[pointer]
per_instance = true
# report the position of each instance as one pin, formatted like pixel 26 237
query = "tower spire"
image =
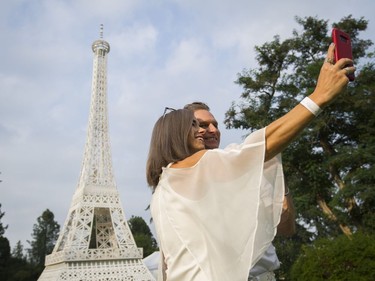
pixel 101 31
pixel 96 243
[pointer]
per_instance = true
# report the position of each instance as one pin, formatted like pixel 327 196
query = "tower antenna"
pixel 101 31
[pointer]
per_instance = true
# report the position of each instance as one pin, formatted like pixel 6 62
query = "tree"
pixel 4 257
pixel 4 249
pixel 340 259
pixel 2 227
pixel 45 234
pixel 18 269
pixel 142 235
pixel 17 251
pixel 330 167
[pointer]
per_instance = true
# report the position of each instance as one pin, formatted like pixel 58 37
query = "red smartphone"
pixel 343 47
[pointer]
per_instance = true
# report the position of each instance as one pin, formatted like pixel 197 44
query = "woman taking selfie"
pixel 216 211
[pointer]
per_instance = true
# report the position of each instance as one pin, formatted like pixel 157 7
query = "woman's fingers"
pixel 345 66
pixel 330 58
pixel 349 70
pixel 343 63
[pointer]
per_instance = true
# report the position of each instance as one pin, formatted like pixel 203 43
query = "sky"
pixel 163 53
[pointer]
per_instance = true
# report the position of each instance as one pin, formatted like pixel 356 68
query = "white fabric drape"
pixel 222 215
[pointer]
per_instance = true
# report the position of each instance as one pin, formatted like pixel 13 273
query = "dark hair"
pixel 197 105
pixel 169 142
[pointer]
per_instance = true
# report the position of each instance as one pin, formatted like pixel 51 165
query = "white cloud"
pixel 135 40
pixel 188 57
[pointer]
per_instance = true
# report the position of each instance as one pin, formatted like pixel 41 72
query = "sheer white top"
pixel 215 220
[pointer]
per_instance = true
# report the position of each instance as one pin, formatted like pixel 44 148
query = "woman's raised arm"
pixel 331 82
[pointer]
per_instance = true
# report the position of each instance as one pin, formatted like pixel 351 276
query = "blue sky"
pixel 163 53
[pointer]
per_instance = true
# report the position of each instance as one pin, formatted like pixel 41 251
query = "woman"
pixel 216 211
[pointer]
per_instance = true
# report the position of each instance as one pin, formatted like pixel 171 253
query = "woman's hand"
pixel 331 82
pixel 332 78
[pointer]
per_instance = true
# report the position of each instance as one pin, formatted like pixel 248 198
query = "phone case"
pixel 343 47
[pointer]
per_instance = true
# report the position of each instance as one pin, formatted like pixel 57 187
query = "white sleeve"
pixel 226 208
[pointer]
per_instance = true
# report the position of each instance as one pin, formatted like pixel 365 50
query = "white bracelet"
pixel 311 106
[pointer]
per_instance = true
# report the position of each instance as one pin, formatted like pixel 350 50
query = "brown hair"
pixel 169 142
pixel 197 105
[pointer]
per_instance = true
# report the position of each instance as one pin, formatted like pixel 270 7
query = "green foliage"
pixel 142 235
pixel 289 250
pixel 2 227
pixel 4 257
pixel 4 249
pixel 17 251
pixel 332 163
pixel 330 167
pixel 20 270
pixel 338 259
pixel 14 268
pixel 45 234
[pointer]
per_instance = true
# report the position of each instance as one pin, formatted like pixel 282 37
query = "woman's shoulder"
pixel 189 161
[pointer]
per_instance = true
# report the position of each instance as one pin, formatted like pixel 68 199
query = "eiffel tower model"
pixel 96 242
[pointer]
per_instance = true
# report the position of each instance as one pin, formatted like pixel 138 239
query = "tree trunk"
pixel 326 210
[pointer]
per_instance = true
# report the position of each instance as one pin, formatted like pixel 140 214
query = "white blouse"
pixel 215 220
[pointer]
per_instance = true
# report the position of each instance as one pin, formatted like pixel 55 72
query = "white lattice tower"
pixel 95 242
